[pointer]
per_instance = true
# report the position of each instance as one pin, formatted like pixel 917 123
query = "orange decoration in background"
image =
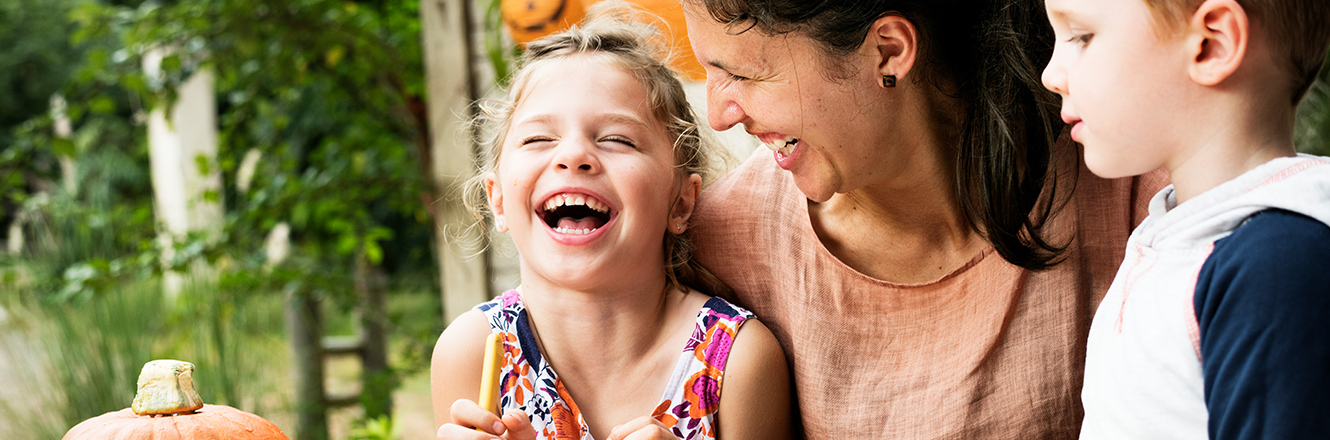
pixel 528 20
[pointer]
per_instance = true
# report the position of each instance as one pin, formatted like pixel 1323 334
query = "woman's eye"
pixel 734 77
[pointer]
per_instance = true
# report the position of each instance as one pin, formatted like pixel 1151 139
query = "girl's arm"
pixel 755 398
pixel 455 372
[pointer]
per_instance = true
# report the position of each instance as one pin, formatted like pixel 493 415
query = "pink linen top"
pixel 989 351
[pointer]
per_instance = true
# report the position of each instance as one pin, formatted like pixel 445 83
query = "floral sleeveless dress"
pixel 691 399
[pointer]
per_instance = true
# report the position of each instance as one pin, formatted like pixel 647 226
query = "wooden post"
pixel 376 381
pixel 445 30
pixel 304 325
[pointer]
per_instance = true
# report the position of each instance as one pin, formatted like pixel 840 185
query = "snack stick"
pixel 489 377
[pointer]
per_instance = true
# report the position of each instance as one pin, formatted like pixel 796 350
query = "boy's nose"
pixel 1055 78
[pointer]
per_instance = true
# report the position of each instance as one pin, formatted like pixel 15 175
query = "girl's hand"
pixel 642 428
pixel 471 422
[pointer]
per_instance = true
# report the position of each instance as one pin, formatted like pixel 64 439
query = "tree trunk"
pixel 446 38
pixel 186 178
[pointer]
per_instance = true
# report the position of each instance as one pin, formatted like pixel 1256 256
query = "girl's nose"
pixel 576 155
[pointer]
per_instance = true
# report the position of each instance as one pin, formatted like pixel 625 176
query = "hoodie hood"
pixel 1299 184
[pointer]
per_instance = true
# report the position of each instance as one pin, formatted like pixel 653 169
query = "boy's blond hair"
pixel 1301 28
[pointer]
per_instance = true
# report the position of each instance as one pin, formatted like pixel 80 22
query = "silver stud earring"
pixel 888 81
pixel 679 226
pixel 498 223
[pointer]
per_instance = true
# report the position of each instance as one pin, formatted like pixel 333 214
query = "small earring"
pixel 679 226
pixel 888 81
pixel 498 224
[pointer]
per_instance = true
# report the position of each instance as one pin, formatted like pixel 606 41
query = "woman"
pixel 913 241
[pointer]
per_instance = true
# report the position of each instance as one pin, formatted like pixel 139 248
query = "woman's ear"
pixel 494 194
pixel 683 206
pixel 896 45
pixel 1217 39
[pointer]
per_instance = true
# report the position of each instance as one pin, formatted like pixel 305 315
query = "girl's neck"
pixel 585 332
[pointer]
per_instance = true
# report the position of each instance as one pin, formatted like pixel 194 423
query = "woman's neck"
pixel 907 226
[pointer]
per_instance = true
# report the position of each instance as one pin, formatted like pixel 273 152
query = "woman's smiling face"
pixel 778 87
pixel 586 177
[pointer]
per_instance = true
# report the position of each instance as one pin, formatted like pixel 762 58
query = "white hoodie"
pixel 1143 372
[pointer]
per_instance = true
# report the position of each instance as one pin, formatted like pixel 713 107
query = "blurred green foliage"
pixel 1313 129
pixel 328 95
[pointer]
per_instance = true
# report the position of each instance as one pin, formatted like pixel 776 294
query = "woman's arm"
pixel 755 400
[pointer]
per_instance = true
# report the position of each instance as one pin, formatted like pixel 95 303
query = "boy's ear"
pixel 1217 40
pixel 897 44
pixel 494 194
pixel 683 207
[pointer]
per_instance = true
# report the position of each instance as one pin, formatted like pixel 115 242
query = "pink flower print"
pixel 702 391
pixel 715 350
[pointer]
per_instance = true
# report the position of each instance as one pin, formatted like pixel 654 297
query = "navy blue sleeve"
pixel 1263 305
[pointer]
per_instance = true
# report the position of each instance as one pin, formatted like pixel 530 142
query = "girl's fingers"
pixel 451 431
pixel 468 414
pixel 519 426
pixel 642 428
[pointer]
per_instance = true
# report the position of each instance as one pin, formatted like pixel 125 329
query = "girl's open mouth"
pixel 575 214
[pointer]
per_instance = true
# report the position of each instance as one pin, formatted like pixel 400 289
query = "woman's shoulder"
pixel 758 176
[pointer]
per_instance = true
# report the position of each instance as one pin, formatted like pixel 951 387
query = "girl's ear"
pixel 1217 40
pixel 494 193
pixel 896 44
pixel 683 206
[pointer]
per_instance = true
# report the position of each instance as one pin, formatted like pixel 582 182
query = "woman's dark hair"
pixel 991 54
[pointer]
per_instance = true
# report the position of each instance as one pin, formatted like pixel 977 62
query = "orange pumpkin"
pixel 528 20
pixel 166 407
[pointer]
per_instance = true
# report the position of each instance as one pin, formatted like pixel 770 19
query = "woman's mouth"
pixel 574 213
pixel 783 146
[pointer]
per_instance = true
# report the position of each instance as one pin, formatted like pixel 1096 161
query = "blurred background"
pixel 266 189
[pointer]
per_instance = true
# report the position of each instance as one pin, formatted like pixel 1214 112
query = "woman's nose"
pixel 722 111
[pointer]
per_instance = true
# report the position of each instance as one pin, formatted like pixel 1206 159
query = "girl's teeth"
pixel 563 230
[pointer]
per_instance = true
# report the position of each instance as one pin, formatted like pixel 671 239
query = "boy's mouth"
pixel 574 213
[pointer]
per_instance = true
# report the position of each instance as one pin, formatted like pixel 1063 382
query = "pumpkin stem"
pixel 166 387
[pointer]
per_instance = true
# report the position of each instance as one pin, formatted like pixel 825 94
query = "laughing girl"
pixel 594 173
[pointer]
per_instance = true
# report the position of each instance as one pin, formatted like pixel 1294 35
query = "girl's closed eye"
pixel 620 139
pixel 536 139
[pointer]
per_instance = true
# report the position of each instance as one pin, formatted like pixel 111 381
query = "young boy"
pixel 1216 322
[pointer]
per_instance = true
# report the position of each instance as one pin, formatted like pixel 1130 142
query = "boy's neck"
pixel 1230 134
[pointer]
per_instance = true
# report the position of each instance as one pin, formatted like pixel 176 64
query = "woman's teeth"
pixel 783 146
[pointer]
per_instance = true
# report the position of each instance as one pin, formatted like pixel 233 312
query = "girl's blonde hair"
pixel 617 33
